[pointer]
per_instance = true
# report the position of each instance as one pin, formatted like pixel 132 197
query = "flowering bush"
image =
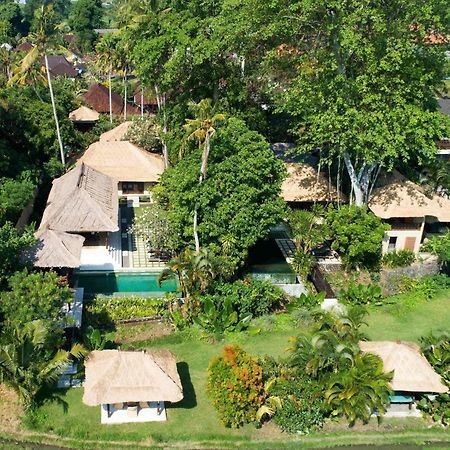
pixel 235 386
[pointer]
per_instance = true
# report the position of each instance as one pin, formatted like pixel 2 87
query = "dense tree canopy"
pixel 85 16
pixel 238 201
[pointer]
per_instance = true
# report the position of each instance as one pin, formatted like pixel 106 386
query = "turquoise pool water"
pixel 142 283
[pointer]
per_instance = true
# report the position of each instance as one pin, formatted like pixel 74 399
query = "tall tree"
pixel 43 40
pixel 85 16
pixel 364 86
pixel 202 128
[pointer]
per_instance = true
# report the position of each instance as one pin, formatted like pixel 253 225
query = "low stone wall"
pixel 415 270
pixel 294 290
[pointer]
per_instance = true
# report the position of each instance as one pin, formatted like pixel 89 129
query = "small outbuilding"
pixel 83 115
pixel 132 386
pixel 413 374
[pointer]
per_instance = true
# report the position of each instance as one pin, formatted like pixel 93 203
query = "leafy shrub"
pixel 235 386
pixel 95 339
pixel 303 407
pixel 308 301
pixel 439 246
pixel 357 235
pixel 402 258
pixel 144 132
pixel 302 263
pixel 437 351
pixel 359 294
pixel 218 318
pixel 424 287
pixel 249 296
pixel 124 308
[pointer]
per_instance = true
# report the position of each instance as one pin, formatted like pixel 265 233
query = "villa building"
pixel 413 375
pixel 410 213
pixel 117 133
pixel 136 170
pixel 97 98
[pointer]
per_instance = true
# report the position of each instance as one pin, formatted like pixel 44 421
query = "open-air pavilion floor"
pixel 123 249
pixel 145 412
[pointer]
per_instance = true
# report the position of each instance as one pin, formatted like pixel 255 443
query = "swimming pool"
pixel 137 283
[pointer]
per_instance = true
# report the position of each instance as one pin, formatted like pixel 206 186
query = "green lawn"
pixel 194 423
pixel 409 323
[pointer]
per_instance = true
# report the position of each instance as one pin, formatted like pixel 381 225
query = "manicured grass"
pixel 409 319
pixel 194 423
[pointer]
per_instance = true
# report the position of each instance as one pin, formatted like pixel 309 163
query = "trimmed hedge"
pixel 126 308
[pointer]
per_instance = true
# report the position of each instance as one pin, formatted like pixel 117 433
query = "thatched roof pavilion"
pixel 412 371
pixel 124 161
pixel 115 376
pixel 396 196
pixel 83 114
pixel 55 249
pixel 116 134
pixel 82 200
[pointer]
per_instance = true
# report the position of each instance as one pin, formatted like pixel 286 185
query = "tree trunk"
pixel 197 242
pixel 359 196
pixel 161 100
pixel 125 96
pixel 110 95
pixel 52 97
pixel 142 102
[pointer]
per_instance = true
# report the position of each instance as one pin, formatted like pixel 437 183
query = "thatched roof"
pixel 115 376
pixel 55 249
pixel 82 200
pixel 116 134
pixel 124 161
pixel 396 196
pixel 84 114
pixel 412 371
pixel 97 97
pixel 304 184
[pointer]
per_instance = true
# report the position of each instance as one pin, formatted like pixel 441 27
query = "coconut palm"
pixel 202 128
pixel 106 50
pixel 360 390
pixel 43 41
pixel 28 365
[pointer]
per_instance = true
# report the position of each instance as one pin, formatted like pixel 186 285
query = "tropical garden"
pixel 354 84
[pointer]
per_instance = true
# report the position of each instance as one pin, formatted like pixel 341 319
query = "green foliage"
pixel 360 294
pixel 249 296
pixel 235 386
pixel 238 201
pixel 437 351
pixel 216 319
pixel 439 246
pixel 423 287
pixel 34 296
pixel 13 243
pixel 152 223
pixel 303 407
pixel 95 339
pixel 31 364
pixel 309 301
pixel 357 235
pixel 124 308
pixel 358 390
pixel 402 258
pixel 306 228
pixel 14 196
pixel 144 132
pixel 302 263
pixel 85 16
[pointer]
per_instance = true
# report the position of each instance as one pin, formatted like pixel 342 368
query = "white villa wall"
pixel 401 235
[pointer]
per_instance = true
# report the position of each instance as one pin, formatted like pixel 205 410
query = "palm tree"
pixel 194 270
pixel 43 42
pixel 28 365
pixel 106 61
pixel 355 393
pixel 202 128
